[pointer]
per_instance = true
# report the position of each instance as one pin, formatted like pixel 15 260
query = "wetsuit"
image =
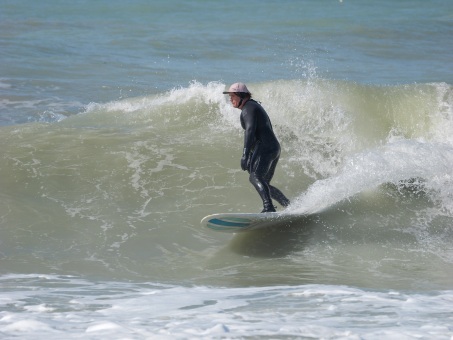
pixel 261 153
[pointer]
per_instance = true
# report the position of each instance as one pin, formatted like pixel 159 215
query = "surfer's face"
pixel 234 99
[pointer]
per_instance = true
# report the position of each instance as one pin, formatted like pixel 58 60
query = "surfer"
pixel 261 147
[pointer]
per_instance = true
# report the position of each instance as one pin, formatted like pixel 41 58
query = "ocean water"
pixel 116 140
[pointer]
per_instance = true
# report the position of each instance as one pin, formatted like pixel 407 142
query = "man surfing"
pixel 261 147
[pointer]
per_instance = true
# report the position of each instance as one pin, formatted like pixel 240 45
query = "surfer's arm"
pixel 250 122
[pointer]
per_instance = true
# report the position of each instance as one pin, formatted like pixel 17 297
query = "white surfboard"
pixel 240 222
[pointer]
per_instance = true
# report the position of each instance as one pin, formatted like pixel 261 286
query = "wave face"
pixel 117 191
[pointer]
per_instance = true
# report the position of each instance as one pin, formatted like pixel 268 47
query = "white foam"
pixel 209 93
pixel 39 308
pixel 26 326
pixel 103 327
pixel 128 310
pixel 396 161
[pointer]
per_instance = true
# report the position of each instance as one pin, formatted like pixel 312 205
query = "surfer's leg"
pixel 263 190
pixel 260 184
pixel 275 193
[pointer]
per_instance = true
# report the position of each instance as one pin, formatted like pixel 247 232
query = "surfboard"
pixel 240 222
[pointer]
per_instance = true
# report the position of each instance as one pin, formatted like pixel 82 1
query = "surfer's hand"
pixel 244 161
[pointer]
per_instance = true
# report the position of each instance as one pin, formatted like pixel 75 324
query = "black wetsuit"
pixel 261 153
